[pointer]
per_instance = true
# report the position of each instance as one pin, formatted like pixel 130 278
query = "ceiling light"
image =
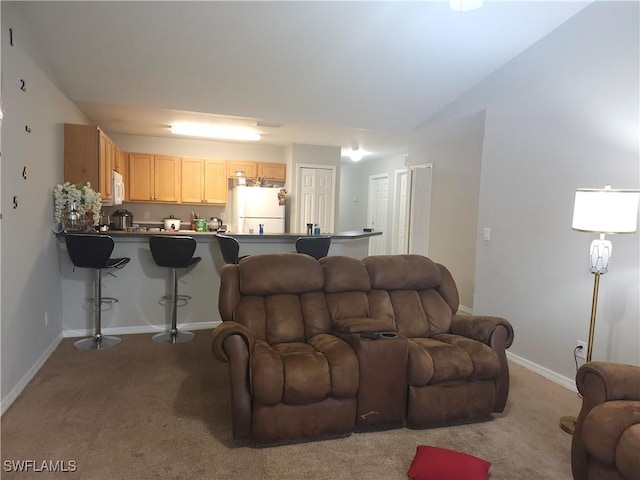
pixel 464 5
pixel 355 153
pixel 222 132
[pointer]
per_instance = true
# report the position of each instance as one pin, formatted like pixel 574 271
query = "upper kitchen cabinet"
pixel 250 169
pixel 268 171
pixel 89 156
pixel 272 171
pixel 154 178
pixel 204 181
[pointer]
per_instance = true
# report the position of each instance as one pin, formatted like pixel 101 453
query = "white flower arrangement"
pixel 85 198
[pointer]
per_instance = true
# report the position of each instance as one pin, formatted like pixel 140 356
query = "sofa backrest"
pixel 278 297
pixel 421 294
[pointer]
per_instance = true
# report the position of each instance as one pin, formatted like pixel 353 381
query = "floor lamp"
pixel 604 211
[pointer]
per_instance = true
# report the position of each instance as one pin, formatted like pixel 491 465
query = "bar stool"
pixel 94 251
pixel 173 251
pixel 317 247
pixel 230 248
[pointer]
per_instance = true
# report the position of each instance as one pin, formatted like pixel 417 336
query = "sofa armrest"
pixel 233 343
pixel 600 382
pixel 225 330
pixel 481 328
pixel 495 332
pixel 604 381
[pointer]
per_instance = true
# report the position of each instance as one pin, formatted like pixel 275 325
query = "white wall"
pixel 30 270
pixel 354 191
pixel 454 148
pixel 562 115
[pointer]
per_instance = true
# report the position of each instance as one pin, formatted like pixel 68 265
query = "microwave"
pixel 118 189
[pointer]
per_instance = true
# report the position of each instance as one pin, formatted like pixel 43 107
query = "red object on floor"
pixel 433 463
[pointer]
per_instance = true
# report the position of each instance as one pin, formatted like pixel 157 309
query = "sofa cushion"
pixel 410 317
pixel 292 372
pixel 301 373
pixel 271 274
pixel 486 365
pixel 344 274
pixel 433 463
pixel 450 363
pixel 402 272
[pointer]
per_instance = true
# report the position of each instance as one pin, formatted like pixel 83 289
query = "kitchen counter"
pixel 141 284
pixel 348 235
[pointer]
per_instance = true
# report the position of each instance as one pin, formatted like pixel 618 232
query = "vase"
pixel 72 219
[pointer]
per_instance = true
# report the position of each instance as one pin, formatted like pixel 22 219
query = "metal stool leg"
pixel 98 341
pixel 173 335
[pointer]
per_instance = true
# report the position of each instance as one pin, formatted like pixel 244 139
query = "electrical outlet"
pixel 222 215
pixel 146 215
pixel 46 319
pixel 581 350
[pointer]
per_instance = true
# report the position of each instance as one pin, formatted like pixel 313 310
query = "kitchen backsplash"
pixel 157 212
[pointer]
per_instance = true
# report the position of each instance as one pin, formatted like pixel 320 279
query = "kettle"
pixel 214 224
pixel 121 220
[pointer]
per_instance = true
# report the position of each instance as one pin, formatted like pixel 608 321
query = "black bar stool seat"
pixel 230 248
pixel 94 251
pixel 174 252
pixel 317 246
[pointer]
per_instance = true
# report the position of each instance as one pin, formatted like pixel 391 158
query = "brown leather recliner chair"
pixel 606 441
pixel 290 378
pixel 457 368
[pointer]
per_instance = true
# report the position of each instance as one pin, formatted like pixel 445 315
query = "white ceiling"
pixel 330 73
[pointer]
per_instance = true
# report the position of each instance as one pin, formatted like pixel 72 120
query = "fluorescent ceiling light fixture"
pixel 464 5
pixel 355 153
pixel 222 132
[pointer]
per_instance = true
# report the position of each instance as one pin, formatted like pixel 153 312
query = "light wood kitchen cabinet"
pixel 89 156
pixel 250 169
pixel 119 161
pixel 204 181
pixel 272 171
pixel 154 178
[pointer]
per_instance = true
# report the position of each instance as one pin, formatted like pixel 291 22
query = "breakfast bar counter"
pixel 141 284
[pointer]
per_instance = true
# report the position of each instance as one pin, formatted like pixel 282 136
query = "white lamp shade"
pixel 606 211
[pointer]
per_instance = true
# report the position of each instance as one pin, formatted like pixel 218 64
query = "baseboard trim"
pixel 465 309
pixel 566 382
pixel 140 329
pixel 24 381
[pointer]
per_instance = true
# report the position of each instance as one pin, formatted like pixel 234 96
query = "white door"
pixel 400 228
pixel 316 193
pixel 378 211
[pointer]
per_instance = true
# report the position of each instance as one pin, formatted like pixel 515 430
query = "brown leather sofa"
pixel 301 366
pixel 606 441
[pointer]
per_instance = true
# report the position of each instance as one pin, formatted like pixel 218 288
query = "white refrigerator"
pixel 253 206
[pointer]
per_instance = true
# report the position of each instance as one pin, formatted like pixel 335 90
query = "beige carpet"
pixel 147 411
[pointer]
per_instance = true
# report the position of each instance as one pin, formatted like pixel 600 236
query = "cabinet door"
pixel 215 182
pixel 107 161
pixel 192 180
pixel 82 154
pixel 250 169
pixel 118 160
pixel 272 171
pixel 140 177
pixel 167 179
